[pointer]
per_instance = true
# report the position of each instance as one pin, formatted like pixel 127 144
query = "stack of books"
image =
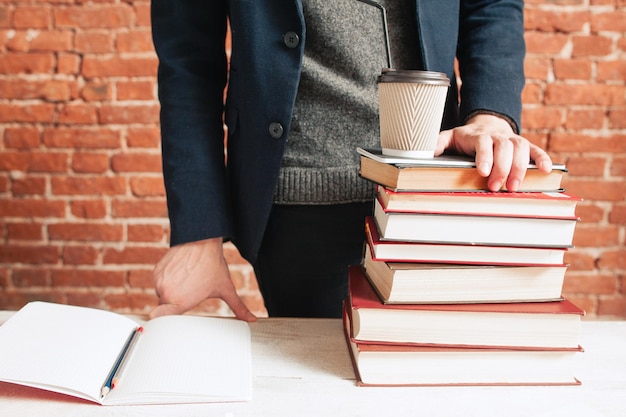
pixel 459 285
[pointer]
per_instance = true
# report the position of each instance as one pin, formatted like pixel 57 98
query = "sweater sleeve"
pixel 189 38
pixel 491 52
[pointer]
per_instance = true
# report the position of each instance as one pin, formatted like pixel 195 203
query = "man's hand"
pixel 500 154
pixel 190 273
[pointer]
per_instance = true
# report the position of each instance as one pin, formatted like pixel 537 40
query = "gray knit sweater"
pixel 337 104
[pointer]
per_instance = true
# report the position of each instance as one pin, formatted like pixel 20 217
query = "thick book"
pixel 554 324
pixel 110 359
pixel 530 204
pixel 475 229
pixel 433 252
pixel 444 173
pixel 423 283
pixel 408 365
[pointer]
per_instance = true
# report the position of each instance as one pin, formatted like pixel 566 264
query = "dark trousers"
pixel 302 267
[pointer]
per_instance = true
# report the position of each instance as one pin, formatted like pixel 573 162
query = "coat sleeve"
pixel 491 52
pixel 189 39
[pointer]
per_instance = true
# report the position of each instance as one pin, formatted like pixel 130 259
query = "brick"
pixel 6 16
pixel 79 255
pixel 49 90
pixel 554 20
pixel 147 187
pixel 597 190
pixel 32 254
pixel 134 41
pixel 97 91
pixel 27 63
pixel 21 137
pixel 566 142
pixel 89 209
pixel 579 260
pixel 13 300
pixel 537 67
pixel 542 117
pixel 146 233
pixel 611 71
pixel 142 15
pixel 87 185
pixel 90 162
pixel 138 302
pixel 614 307
pixel 32 17
pixel 127 114
pixel 85 232
pixel 102 17
pixel 52 162
pixel 143 137
pixel 28 186
pixel 85 298
pixel 31 278
pixel 94 42
pixel 96 66
pixel 87 138
pixel 545 43
pixel 68 63
pixel 596 236
pixel 617 118
pixel 140 278
pixel 133 255
pixel 87 278
pixel 78 113
pixel 585 118
pixel 136 90
pixel 32 208
pixel 4 187
pixel 590 94
pixel 586 166
pixel 27 113
pixel 34 162
pixel 618 166
pixel 612 259
pixel 532 94
pixel 590 283
pixel 613 21
pixel 52 41
pixel 617 215
pixel 138 208
pixel 25 231
pixel 136 162
pixel 591 46
pixel 589 212
pixel 573 69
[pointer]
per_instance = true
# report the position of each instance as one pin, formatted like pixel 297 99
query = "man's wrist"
pixel 504 117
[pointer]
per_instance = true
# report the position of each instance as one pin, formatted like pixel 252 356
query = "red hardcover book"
pixel 414 283
pixel 432 252
pixel 546 325
pixel 528 204
pixel 474 229
pixel 406 365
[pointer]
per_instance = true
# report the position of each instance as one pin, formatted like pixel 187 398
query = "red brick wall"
pixel 82 206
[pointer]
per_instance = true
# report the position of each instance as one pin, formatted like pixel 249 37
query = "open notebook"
pixel 110 359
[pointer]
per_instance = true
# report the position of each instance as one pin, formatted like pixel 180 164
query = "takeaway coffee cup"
pixel 411 105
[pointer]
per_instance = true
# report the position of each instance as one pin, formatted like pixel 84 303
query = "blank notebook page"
pixel 200 359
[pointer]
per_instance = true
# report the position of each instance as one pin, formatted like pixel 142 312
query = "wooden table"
pixel 301 368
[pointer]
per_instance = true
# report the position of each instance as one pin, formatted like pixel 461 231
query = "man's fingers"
pixel 166 310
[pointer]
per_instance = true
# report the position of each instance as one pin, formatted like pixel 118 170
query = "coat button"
pixel 291 39
pixel 276 130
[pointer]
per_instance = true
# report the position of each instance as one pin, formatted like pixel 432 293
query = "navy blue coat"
pixel 210 194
